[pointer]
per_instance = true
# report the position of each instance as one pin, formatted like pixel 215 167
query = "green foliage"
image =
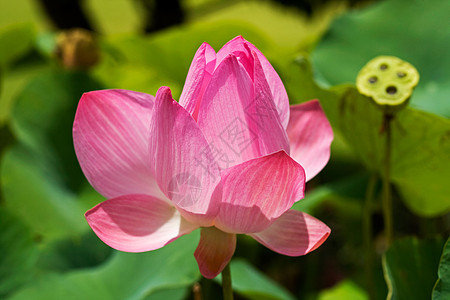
pixel 421 148
pixel 340 193
pixel 15 41
pixel 172 294
pixel 421 144
pixel 441 289
pixel 14 80
pixel 414 31
pixel 146 63
pixel 37 197
pixel 288 28
pixel 253 284
pixel 18 253
pixel 343 291
pixel 124 276
pixel 43 116
pixel 45 160
pixel 6 139
pixel 410 268
pixel 71 253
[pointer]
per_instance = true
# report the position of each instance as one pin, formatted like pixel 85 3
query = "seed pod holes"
pixel 388 80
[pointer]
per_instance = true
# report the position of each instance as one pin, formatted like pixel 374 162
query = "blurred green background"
pixel 47 250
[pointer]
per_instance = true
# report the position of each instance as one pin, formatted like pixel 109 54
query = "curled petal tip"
pixel 204 45
pixel 326 234
pixel 86 96
pixel 164 90
pixel 238 38
pixel 295 233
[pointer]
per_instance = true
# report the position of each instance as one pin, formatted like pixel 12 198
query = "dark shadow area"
pixel 66 14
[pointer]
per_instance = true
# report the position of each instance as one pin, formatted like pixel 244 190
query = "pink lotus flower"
pixel 217 160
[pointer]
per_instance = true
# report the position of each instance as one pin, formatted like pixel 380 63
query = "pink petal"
pixel 279 93
pixel 239 124
pixel 295 233
pixel 185 168
pixel 257 192
pixel 310 137
pixel 110 134
pixel 198 77
pixel 265 113
pixel 137 223
pixel 214 251
pixel 239 48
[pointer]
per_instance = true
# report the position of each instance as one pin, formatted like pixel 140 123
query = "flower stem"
pixel 367 232
pixel 386 193
pixel 197 291
pixel 226 283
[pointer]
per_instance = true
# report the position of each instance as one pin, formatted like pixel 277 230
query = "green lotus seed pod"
pixel 388 80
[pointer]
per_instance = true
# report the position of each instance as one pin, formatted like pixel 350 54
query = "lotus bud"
pixel 77 49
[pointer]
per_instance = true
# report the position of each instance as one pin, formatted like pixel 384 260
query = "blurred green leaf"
pixel 42 119
pixel 33 192
pixel 46 43
pixel 125 276
pixel 410 267
pixel 290 29
pixel 300 84
pixel 344 290
pixel 13 12
pixel 146 63
pixel 70 253
pixel 301 87
pixel 15 41
pixel 420 147
pixel 420 150
pixel 253 284
pixel 168 294
pixel 441 290
pixel 421 158
pixel 340 205
pixel 14 80
pixel 6 139
pixel 415 31
pixel 351 187
pixel 129 13
pixel 18 253
pixel 44 161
